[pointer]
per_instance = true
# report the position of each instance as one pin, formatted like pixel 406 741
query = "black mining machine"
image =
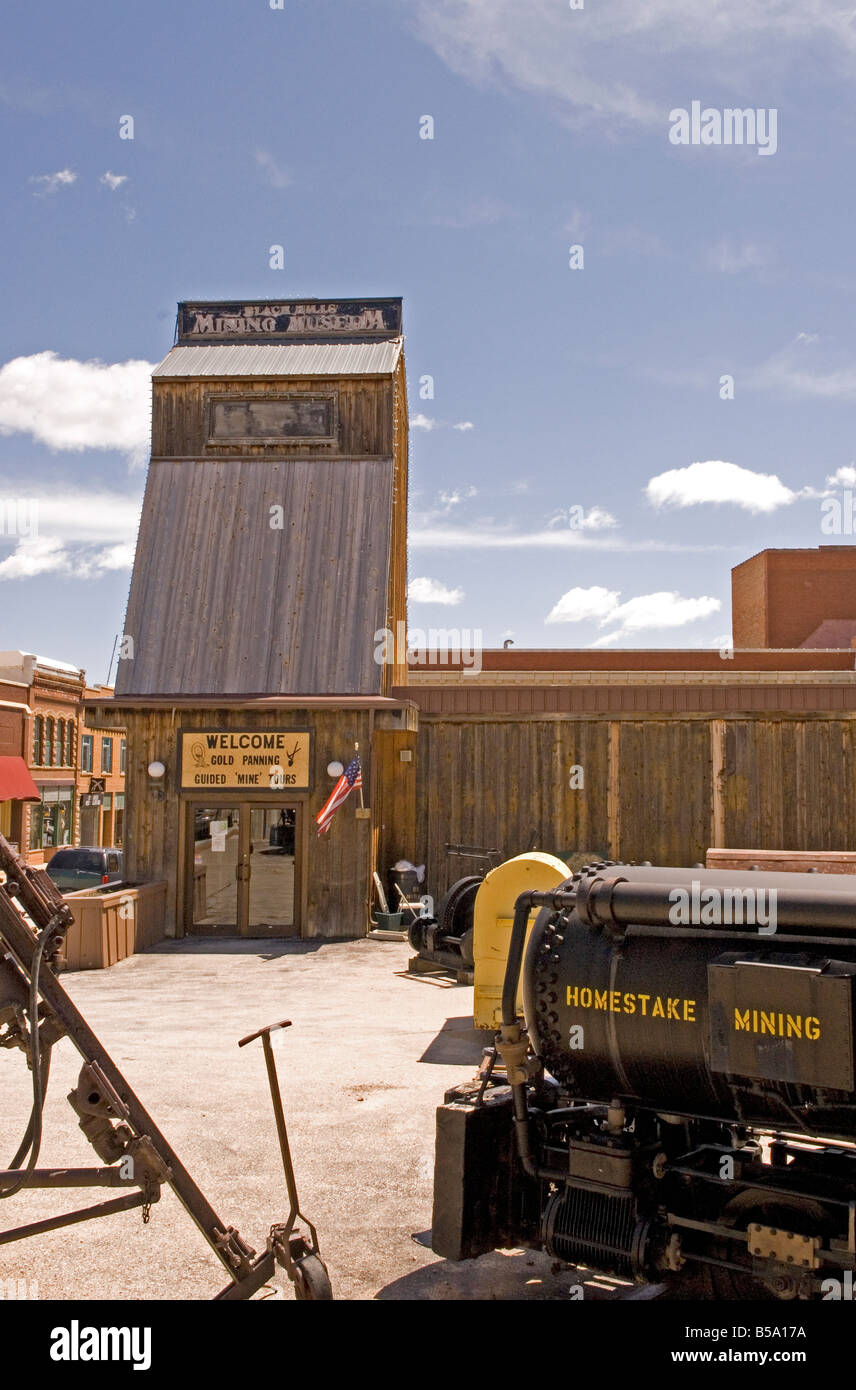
pixel 678 1105
pixel 35 1013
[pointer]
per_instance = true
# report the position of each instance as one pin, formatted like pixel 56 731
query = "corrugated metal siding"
pixel 222 604
pixel 282 359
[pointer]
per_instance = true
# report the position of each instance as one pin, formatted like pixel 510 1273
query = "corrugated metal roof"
pixel 221 603
pixel 282 359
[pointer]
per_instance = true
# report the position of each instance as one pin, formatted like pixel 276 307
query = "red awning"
pixel 16 784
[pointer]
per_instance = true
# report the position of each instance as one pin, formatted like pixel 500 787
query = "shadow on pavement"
pixel 502 1276
pixel 239 946
pixel 458 1043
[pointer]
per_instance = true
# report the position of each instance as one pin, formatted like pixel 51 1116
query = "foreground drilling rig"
pixel 679 1103
pixel 136 1159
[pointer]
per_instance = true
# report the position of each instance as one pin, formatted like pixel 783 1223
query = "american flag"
pixel 350 778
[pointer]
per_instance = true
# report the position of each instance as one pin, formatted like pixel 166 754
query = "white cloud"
pixel 74 405
pixel 432 591
pixel 428 423
pixel 115 557
pixel 843 477
pixel 581 605
pixel 87 516
pixel 41 555
pixel 113 181
pixel 620 60
pixel 428 534
pixel 83 534
pixel 663 609
pixel 731 259
pixel 448 500
pixel 595 519
pixel 50 183
pixel 646 611
pixel 49 555
pixel 718 481
pixel 787 376
pixel 276 176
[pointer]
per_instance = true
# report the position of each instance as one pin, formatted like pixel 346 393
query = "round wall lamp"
pixel 156 771
pixel 335 769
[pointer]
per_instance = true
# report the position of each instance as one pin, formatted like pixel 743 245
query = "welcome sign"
pixel 272 760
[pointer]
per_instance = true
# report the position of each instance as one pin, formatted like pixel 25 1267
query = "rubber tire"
pixel 312 1282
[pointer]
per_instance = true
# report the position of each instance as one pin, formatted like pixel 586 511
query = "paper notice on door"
pixel 217 830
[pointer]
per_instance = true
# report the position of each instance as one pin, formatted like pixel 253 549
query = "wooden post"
pixel 717 783
pixel 613 790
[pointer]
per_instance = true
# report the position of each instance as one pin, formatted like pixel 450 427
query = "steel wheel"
pixel 786 1212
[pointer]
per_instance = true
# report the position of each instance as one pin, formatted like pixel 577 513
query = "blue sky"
pixel 597 482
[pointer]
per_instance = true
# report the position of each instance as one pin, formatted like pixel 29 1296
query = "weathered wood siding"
pixel 660 789
pixel 790 784
pixel 664 779
pixel 336 866
pixel 365 411
pixel 507 785
pixel 395 797
pixel 221 602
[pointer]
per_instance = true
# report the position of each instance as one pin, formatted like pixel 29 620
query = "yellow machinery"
pixel 492 918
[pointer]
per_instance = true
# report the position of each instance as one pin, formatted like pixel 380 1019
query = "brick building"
pixel 42 720
pixel 101 779
pixel 16 785
pixel 795 598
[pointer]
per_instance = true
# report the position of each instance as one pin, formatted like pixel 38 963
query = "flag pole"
pixel 362 802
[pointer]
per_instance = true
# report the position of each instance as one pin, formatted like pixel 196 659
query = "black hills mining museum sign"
pixel 260 759
pixel 294 320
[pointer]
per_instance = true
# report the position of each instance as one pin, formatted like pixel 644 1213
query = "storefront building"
pixel 43 723
pixel 271 553
pixel 101 779
pixel 55 698
pixel 16 785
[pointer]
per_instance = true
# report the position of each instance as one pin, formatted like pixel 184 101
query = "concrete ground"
pixel 362 1071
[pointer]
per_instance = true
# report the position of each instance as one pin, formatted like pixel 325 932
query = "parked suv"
pixel 85 867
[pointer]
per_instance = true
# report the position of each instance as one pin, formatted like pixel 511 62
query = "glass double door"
pixel 245 870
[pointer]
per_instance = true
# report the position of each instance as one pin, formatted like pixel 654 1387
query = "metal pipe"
pixel 69 1177
pixel 514 960
pixel 72 1218
pixel 512 1043
pixel 603 901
